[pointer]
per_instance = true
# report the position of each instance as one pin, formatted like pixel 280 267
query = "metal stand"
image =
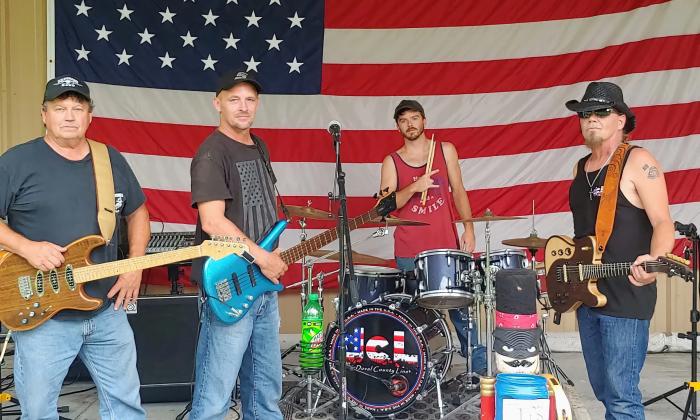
pixel 548 364
pixel 693 386
pixel 489 299
pixel 346 268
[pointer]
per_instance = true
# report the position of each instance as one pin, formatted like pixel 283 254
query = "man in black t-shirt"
pixel 47 195
pixel 234 194
pixel 614 337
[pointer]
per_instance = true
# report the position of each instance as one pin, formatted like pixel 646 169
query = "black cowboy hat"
pixel 601 95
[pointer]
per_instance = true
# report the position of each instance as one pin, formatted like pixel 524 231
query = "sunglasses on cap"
pixel 598 113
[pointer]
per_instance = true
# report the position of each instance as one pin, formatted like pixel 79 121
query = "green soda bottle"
pixel 311 355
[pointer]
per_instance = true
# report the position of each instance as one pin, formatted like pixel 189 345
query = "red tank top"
pixel 441 232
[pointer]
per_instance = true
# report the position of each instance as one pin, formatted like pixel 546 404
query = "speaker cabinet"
pixel 165 330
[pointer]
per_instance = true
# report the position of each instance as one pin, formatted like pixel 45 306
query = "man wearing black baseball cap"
pixel 233 191
pixel 404 171
pixel 614 337
pixel 49 198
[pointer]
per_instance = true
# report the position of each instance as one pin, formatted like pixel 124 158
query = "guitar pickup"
pixel 236 283
pixel 251 275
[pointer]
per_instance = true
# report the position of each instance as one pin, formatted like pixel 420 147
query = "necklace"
pixel 590 184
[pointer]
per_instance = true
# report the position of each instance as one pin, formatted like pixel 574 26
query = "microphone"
pixel 685 229
pixel 334 128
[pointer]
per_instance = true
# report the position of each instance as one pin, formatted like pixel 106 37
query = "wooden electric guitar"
pixel 232 284
pixel 30 297
pixel 573 267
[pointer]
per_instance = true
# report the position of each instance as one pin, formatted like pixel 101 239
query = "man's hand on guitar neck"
pixel 639 277
pixel 126 289
pixel 43 256
pixel 270 264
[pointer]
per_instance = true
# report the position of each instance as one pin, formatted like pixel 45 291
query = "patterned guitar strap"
pixel 608 199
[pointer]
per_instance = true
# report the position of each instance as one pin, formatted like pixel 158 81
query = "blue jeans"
pixel 460 319
pixel 104 342
pixel 614 350
pixel 248 349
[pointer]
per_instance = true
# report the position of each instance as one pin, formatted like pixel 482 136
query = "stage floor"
pixel 661 373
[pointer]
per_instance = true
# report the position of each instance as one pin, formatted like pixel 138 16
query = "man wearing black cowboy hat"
pixel 614 337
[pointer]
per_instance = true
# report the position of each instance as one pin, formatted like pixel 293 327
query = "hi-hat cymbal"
pixel 488 218
pixel 395 221
pixel 310 213
pixel 357 258
pixel 531 242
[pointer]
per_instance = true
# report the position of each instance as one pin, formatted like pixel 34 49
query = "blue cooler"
pixel 521 396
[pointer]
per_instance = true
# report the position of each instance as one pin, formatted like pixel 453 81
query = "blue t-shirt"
pixel 46 197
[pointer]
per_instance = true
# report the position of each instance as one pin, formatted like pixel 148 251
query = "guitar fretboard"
pixel 308 246
pixel 609 269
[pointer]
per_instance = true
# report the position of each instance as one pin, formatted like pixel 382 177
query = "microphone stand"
pixel 346 269
pixel 693 386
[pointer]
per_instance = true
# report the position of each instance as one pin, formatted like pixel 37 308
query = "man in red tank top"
pixel 404 172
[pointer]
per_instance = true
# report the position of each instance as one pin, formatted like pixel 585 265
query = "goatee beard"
pixel 591 140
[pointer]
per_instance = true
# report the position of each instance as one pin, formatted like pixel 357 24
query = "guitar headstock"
pixel 222 246
pixel 387 203
pixel 677 266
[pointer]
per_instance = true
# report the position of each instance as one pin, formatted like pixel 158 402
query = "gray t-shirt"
pixel 225 169
pixel 46 197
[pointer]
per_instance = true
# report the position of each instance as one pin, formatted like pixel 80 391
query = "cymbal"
pixel 310 213
pixel 395 221
pixel 489 218
pixel 357 258
pixel 531 242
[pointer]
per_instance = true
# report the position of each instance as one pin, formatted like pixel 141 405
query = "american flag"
pixel 492 76
pixel 355 344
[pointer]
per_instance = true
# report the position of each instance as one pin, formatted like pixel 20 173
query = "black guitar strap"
pixel 266 161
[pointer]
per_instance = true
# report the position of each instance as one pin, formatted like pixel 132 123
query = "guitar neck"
pixel 591 271
pixel 308 246
pixel 115 268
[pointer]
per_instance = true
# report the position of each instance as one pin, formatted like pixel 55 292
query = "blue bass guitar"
pixel 231 284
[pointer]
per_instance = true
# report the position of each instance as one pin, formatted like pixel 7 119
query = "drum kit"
pixel 398 345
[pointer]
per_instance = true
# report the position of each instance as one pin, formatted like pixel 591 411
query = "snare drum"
pixel 371 283
pixel 503 259
pixel 444 279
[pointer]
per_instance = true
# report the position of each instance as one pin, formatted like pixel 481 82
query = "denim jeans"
pixel 248 349
pixel 104 342
pixel 459 318
pixel 614 350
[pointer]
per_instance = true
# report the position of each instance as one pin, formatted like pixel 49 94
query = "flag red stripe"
pixel 366 146
pixel 550 197
pixel 674 52
pixel 442 13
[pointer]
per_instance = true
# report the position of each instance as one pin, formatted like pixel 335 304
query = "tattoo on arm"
pixel 653 173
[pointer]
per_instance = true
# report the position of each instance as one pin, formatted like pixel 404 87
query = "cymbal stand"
pixel 548 364
pixel 306 271
pixel 489 299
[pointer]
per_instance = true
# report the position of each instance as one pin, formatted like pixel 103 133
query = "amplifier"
pixel 165 331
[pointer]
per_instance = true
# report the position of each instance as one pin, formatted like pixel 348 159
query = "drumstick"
pixel 428 167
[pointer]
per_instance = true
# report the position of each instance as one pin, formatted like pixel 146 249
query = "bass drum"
pixel 392 350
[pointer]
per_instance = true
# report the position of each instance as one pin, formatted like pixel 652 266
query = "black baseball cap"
pixel 408 105
pixel 234 77
pixel 66 83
